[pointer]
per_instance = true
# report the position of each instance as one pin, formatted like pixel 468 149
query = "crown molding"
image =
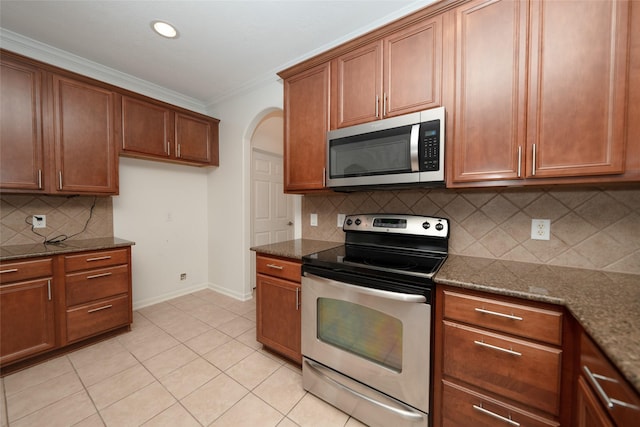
pixel 22 45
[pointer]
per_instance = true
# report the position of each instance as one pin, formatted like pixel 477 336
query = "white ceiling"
pixel 224 47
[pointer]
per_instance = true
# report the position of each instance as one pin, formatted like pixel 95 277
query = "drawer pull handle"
pixel 95 276
pixel 495 347
pixel 494 415
pixel 99 258
pixel 277 267
pixel 100 308
pixel 495 313
pixel 10 270
pixel 610 402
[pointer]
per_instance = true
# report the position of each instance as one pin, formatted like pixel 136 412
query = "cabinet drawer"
pixel 92 319
pixel 23 270
pixel 464 407
pixel 95 260
pixel 277 267
pixel 522 320
pixel 87 286
pixel 523 371
pixel 617 397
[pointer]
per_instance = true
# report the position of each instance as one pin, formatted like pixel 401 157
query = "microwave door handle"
pixel 414 147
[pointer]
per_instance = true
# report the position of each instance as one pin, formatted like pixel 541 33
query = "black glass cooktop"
pixel 392 262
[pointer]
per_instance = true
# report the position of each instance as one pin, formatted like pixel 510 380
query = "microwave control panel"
pixel 430 146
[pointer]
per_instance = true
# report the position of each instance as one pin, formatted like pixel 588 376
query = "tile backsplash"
pixel 590 228
pixel 65 215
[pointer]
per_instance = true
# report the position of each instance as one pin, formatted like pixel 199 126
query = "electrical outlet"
pixel 540 229
pixel 340 221
pixel 39 221
pixel 314 220
pixel 183 276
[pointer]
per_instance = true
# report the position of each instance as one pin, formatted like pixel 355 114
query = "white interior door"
pixel 272 210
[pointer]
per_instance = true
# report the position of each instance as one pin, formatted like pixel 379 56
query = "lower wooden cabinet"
pixel 500 361
pixel 27 325
pixel 278 323
pixel 603 396
pixel 49 303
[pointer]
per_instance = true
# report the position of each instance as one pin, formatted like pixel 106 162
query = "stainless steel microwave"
pixel 396 152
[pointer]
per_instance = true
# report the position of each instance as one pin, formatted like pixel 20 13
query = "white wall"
pixel 229 189
pixel 163 208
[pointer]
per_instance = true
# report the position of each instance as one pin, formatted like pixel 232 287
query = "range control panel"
pixel 415 225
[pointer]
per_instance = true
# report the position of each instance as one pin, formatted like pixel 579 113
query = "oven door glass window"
pixel 360 330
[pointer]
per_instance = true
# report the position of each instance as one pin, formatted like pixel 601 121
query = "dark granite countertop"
pixel 606 304
pixel 295 249
pixel 9 252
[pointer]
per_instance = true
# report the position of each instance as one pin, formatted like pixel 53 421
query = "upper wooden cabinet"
pixel 552 111
pixel 155 130
pixel 306 122
pixel 58 132
pixel 578 65
pixel 398 74
pixel 485 124
pixel 21 145
pixel 84 135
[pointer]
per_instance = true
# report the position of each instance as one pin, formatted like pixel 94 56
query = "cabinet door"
pixel 147 128
pixel 412 68
pixel 278 315
pixel 84 136
pixel 21 148
pixel 359 85
pixel 27 325
pixel 487 135
pixel 578 58
pixel 589 413
pixel 306 108
pixel 194 138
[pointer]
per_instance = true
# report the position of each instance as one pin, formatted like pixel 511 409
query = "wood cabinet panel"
pixel 589 412
pixel 412 68
pixel 14 271
pixel 277 267
pixel 524 371
pixel 576 112
pixel 21 144
pixel 616 398
pixel 147 128
pixel 96 284
pixel 98 317
pixel 279 316
pixel 95 259
pixel 306 117
pixel 487 127
pixel 84 138
pixel 359 85
pixel 194 138
pixel 27 324
pixel 464 407
pixel 517 319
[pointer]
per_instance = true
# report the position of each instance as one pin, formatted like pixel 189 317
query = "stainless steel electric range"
pixel 367 318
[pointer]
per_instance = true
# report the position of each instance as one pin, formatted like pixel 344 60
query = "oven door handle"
pixel 407 412
pixel 396 296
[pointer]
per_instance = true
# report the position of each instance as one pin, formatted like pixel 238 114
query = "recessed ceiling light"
pixel 164 29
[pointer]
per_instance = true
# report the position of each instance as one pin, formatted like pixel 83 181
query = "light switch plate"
pixel 314 220
pixel 340 221
pixel 540 229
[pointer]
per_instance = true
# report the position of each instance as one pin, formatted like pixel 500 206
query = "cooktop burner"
pixel 401 247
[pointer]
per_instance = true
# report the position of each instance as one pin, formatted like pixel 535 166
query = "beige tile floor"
pixel 190 361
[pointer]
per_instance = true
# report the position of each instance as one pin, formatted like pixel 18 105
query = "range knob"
pixel 349 221
pixel 358 222
pixel 439 226
pixel 426 225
